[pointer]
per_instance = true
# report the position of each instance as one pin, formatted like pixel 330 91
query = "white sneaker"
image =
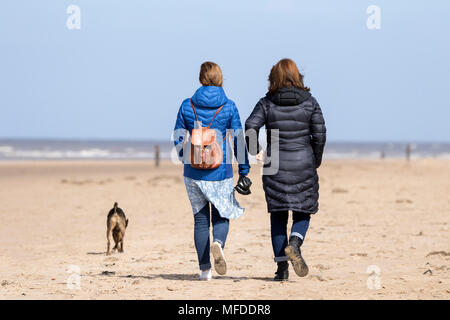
pixel 219 259
pixel 206 275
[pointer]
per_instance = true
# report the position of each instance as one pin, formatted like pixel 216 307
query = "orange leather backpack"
pixel 206 153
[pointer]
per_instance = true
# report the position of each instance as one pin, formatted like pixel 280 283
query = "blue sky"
pixel 126 71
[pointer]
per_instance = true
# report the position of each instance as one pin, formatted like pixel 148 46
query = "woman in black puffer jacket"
pixel 296 137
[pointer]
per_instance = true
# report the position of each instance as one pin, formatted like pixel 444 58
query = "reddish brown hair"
pixel 210 74
pixel 285 74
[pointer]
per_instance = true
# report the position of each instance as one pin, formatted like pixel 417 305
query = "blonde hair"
pixel 285 74
pixel 210 74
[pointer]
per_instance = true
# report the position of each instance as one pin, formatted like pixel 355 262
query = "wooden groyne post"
pixel 157 155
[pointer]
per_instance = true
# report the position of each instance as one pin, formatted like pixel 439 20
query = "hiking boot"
pixel 282 273
pixel 295 256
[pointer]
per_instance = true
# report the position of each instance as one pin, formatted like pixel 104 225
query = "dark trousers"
pixel 278 227
pixel 201 233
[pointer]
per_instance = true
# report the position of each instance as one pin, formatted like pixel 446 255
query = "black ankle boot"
pixel 282 273
pixel 295 256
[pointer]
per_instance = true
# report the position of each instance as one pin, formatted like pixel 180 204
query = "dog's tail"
pixel 115 207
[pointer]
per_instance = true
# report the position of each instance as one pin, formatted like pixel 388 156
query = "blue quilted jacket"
pixel 207 100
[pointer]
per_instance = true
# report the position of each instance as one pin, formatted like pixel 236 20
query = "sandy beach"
pixel 382 232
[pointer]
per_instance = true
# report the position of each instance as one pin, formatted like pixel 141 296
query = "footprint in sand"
pixel 164 178
pixel 321 267
pixel 111 259
pixel 75 182
pixel 438 253
pixel 142 259
pixel 339 190
pixel 316 277
pixel 403 201
pixel 102 182
pixel 358 254
pixel 441 268
pixel 6 283
pixel 259 244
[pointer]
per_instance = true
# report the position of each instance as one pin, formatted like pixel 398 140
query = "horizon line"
pixel 117 139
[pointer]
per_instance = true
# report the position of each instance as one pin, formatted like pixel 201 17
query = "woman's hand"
pixel 261 156
pixel 243 185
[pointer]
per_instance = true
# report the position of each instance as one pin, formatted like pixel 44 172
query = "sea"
pixel 54 149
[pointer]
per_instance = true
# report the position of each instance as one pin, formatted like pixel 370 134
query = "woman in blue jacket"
pixel 211 191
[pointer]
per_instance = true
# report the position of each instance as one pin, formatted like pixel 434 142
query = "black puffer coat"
pixel 301 138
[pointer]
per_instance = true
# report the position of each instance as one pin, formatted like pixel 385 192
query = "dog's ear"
pixel 126 223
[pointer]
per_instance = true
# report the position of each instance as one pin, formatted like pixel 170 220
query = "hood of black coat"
pixel 288 96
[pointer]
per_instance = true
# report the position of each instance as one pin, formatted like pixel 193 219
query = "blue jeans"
pixel 201 233
pixel 278 227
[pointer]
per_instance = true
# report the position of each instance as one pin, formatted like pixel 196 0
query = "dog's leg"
pixel 108 238
pixel 121 245
pixel 116 240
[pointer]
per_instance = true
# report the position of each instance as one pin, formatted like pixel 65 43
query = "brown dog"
pixel 116 226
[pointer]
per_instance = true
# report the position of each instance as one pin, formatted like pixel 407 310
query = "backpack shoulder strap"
pixel 195 113
pixel 217 112
pixel 193 108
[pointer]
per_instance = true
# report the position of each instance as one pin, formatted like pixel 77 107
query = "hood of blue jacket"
pixel 209 96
